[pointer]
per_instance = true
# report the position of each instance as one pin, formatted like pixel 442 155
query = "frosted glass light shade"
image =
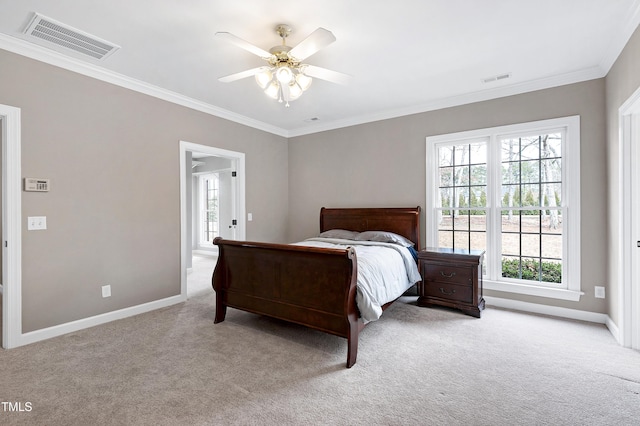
pixel 295 91
pixel 284 75
pixel 304 81
pixel 273 90
pixel 264 77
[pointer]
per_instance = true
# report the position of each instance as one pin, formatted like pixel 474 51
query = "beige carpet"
pixel 416 366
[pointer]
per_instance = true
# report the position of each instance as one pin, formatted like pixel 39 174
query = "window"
pixel 209 201
pixel 513 191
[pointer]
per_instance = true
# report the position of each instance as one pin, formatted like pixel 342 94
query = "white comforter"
pixel 385 271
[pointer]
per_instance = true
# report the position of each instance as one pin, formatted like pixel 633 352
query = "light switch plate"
pixel 36 223
pixel 106 291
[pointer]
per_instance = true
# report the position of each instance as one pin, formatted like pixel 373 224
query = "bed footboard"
pixel 314 287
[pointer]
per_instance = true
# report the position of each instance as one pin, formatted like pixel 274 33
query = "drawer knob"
pixel 449 293
pixel 451 275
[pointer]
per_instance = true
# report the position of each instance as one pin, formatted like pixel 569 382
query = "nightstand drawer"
pixel 447 274
pixel 442 290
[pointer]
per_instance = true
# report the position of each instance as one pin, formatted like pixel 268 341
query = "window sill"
pixel 532 290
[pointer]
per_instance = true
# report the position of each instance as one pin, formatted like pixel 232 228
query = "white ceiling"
pixel 404 57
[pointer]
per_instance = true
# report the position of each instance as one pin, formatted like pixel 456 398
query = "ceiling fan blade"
pixel 325 74
pixel 243 44
pixel 241 75
pixel 315 41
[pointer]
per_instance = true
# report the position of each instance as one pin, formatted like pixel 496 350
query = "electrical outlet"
pixel 599 292
pixel 106 291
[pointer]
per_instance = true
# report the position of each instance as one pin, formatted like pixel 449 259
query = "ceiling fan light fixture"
pixel 263 78
pixel 285 78
pixel 303 80
pixel 284 75
pixel 273 90
pixel 295 91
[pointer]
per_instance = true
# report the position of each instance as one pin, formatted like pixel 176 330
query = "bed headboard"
pixel 402 221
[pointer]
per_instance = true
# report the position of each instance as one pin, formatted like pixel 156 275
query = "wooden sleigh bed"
pixel 311 286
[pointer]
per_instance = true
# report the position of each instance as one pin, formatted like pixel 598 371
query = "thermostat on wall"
pixel 37 184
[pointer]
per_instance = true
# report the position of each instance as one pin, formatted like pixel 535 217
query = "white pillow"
pixel 384 237
pixel 342 234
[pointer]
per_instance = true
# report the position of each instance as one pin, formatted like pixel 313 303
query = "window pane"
pixel 209 226
pixel 551 272
pixel 552 222
pixel 511 195
pixel 510 244
pixel 530 195
pixel 530 148
pixel 446 221
pixel 461 176
pixel 530 171
pixel 479 174
pixel 511 267
pixel 478 241
pixel 461 240
pixel 478 153
pixel 530 245
pixel 461 222
pixel 477 198
pixel 552 246
pixel 552 194
pixel 446 177
pixel 461 154
pixel 462 197
pixel 445 156
pixel 530 222
pixel 446 197
pixel 551 170
pixel 510 150
pixel 478 221
pixel 552 146
pixel 445 239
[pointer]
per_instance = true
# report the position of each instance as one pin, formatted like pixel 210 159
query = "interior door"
pixel 227 203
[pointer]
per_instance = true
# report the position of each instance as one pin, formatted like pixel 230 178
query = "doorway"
pixel 11 227
pixel 212 204
pixel 629 263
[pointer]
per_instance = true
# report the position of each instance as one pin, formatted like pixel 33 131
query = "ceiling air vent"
pixel 43 29
pixel 496 78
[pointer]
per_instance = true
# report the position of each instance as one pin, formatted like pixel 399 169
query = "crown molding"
pixel 453 101
pixel 42 54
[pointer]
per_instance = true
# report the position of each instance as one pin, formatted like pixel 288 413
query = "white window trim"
pixel 570 203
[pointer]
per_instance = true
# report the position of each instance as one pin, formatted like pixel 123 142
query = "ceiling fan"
pixel 285 77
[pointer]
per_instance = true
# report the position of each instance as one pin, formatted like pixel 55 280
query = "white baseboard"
pixel 58 330
pixel 554 311
pixel 613 329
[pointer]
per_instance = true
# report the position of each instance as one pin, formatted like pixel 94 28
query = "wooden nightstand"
pixel 451 278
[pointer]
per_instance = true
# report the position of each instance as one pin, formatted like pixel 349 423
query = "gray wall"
pixel 113 213
pixel 621 82
pixel 383 164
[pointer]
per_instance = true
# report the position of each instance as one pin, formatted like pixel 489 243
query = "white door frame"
pixel 11 228
pixel 240 200
pixel 629 226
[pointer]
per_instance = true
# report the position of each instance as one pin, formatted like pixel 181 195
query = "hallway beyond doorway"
pixel 199 277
